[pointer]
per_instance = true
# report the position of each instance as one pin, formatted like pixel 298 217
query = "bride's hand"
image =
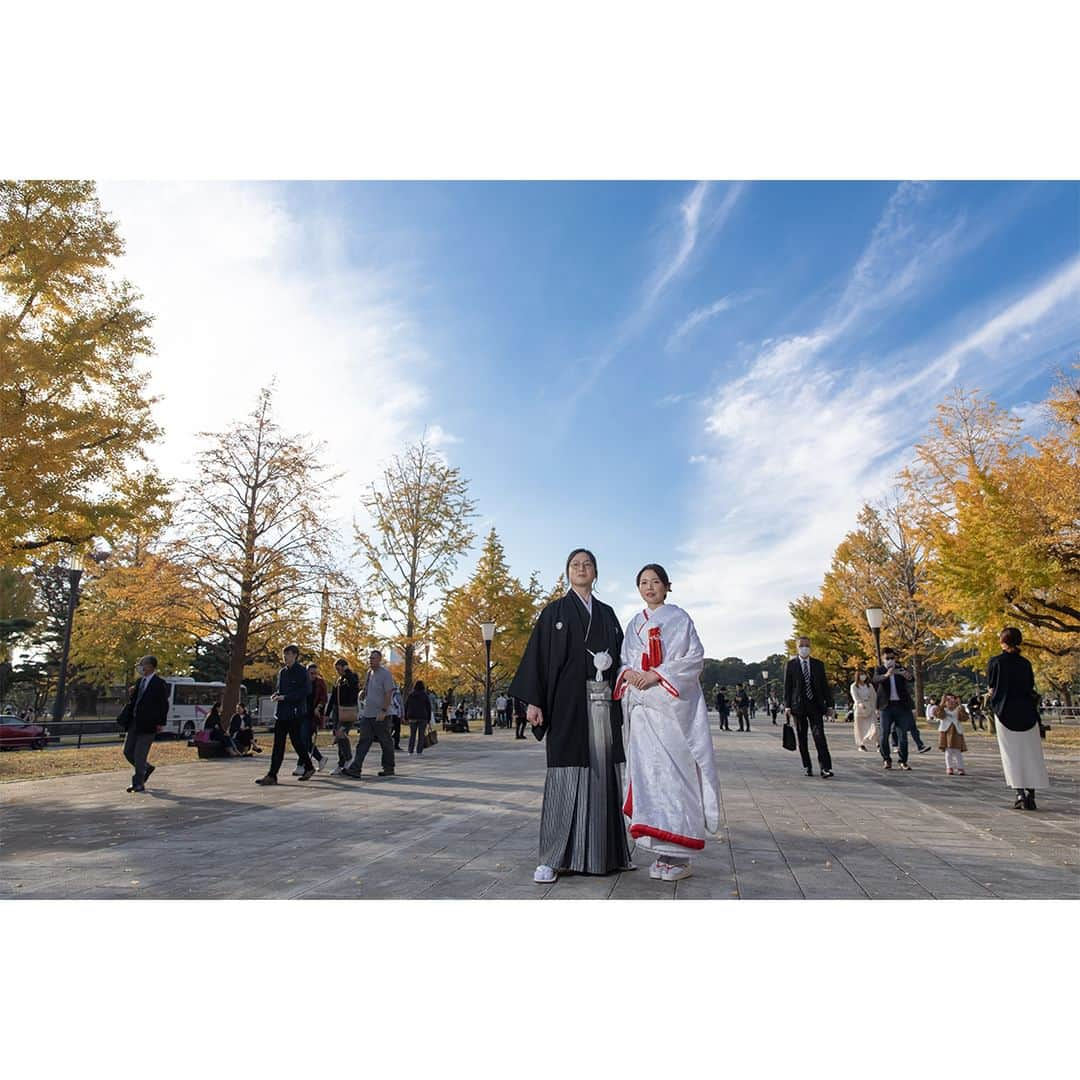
pixel 649 678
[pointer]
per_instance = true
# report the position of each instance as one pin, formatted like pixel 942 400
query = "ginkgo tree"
pixel 492 594
pixel 75 418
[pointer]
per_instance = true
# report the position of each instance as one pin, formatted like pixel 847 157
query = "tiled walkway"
pixel 461 822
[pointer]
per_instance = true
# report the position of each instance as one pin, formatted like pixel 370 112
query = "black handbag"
pixel 126 715
pixel 788 736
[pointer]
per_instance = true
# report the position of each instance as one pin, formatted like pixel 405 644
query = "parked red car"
pixel 19 734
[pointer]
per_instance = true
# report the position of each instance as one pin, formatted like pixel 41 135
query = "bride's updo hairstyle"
pixel 658 570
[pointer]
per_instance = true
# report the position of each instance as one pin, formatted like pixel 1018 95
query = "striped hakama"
pixel 581 824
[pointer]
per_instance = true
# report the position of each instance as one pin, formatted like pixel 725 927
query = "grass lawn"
pixel 42 764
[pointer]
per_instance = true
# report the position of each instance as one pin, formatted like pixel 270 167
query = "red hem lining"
pixel 670 837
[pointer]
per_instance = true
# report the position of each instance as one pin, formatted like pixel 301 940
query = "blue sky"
pixel 712 376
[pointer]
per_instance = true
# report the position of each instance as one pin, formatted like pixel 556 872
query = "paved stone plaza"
pixel 461 823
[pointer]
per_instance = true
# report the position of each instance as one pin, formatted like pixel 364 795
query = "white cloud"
pixel 690 212
pixel 438 437
pixel 696 318
pixel 245 292
pixel 801 440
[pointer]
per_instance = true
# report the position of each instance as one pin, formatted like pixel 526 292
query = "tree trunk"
pixel 409 652
pixel 237 663
pixel 920 703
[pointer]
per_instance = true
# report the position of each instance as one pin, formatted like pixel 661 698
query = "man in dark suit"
pixel 291 697
pixel 145 716
pixel 742 706
pixel 896 708
pixel 723 707
pixel 807 698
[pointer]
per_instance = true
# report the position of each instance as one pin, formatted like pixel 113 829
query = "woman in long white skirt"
pixel 673 794
pixel 1013 699
pixel 864 710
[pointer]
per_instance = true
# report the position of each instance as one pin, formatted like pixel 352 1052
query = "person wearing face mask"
pixel 808 700
pixel 864 710
pixel 896 709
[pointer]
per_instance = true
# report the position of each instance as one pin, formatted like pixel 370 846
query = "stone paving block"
pixel 464 821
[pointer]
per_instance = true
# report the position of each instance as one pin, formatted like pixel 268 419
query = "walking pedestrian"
pixel 291 695
pixel 774 709
pixel 896 709
pixel 950 715
pixel 343 710
pixel 313 720
pixel 500 711
pixel 742 707
pixel 373 723
pixel 520 717
pixel 418 714
pixel 145 715
pixel 1019 730
pixel 975 711
pixel 723 708
pixel 807 698
pixel 864 709
pixel 394 718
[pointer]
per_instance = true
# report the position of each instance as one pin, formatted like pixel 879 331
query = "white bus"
pixel 190 703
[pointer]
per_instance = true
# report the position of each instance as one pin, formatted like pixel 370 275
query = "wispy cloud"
pixel 807 434
pixel 696 318
pixel 696 220
pixel 666 272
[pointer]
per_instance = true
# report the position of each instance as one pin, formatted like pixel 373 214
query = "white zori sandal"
pixel 666 871
pixel 544 875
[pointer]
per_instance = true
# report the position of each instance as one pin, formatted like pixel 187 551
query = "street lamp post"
pixel 765 680
pixel 488 630
pixel 74 571
pixel 874 617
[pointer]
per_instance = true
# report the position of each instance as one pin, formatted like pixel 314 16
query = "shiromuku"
pixel 673 794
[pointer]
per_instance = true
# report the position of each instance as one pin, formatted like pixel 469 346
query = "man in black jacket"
pixel 291 696
pixel 742 706
pixel 896 707
pixel 344 710
pixel 808 699
pixel 145 714
pixel 723 708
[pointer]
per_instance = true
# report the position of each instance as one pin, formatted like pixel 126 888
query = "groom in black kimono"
pixel 581 827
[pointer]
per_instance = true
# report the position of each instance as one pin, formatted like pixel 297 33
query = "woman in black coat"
pixel 1015 703
pixel 418 714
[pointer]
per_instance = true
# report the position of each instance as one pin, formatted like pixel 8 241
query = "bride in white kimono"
pixel 673 794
